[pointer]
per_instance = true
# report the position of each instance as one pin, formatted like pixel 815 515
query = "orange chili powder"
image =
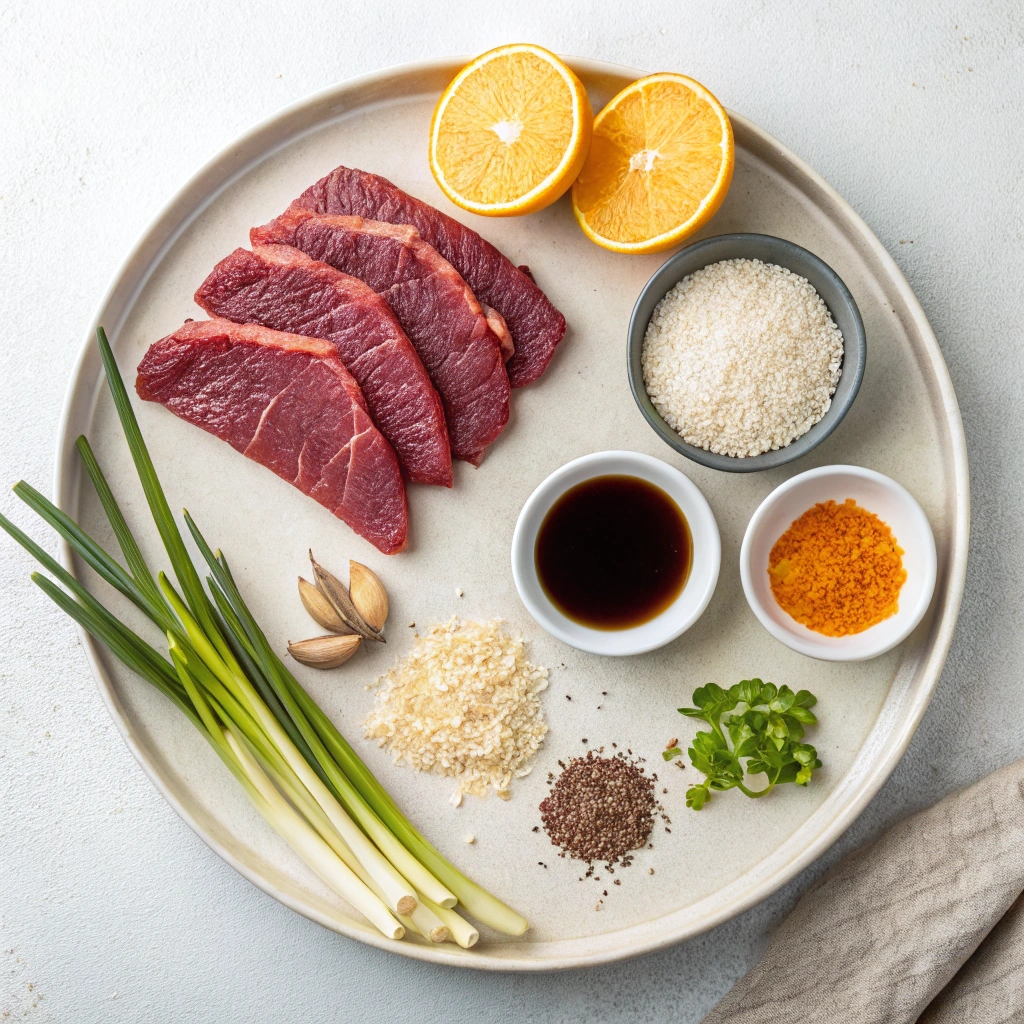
pixel 837 569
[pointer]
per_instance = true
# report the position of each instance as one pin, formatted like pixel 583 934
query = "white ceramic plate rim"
pixel 850 797
pixel 674 620
pixel 863 646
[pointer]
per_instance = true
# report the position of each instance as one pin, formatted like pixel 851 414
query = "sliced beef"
pixel 288 403
pixel 497 324
pixel 536 326
pixel 432 303
pixel 283 289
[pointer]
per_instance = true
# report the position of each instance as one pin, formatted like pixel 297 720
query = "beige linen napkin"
pixel 896 932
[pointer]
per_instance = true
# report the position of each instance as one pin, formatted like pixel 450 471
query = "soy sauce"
pixel 613 552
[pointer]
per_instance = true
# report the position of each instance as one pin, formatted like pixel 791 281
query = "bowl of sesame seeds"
pixel 745 351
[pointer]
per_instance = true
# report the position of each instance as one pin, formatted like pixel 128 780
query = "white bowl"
pixel 674 620
pixel 894 505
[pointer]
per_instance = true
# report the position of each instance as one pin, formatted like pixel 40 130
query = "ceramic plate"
pixel 905 423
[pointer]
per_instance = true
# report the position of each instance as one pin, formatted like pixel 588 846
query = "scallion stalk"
pixel 313 850
pixel 458 927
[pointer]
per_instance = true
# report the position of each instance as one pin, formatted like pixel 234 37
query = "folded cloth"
pixel 990 986
pixel 887 930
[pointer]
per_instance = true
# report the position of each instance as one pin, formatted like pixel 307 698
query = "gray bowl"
pixel 768 249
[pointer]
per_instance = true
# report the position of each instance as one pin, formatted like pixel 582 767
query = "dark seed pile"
pixel 600 808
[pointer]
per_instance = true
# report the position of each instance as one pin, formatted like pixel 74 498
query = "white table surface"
pixel 110 908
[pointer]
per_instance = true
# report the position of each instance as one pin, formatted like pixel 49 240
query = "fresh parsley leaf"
pixel 802 715
pixel 748 692
pixel 712 703
pixel 783 700
pixel 710 755
pixel 767 733
pixel 697 796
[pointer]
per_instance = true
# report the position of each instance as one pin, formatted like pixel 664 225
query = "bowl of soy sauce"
pixel 616 553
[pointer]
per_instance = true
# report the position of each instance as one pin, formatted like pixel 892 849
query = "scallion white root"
pixel 397 890
pixel 458 927
pixel 312 849
pixel 428 924
pixel 410 868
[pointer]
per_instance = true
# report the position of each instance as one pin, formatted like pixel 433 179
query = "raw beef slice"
pixel 288 403
pixel 283 289
pixel 435 307
pixel 536 326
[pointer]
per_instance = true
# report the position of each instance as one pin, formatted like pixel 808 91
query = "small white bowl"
pixel 674 620
pixel 894 505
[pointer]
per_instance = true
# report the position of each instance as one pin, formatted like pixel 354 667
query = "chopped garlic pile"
pixel 464 704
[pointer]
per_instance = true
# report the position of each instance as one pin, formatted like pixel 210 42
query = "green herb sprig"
pixel 767 734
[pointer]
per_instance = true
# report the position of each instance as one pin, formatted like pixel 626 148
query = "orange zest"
pixel 659 166
pixel 837 569
pixel 510 133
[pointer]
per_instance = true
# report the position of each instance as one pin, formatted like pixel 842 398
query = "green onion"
pixel 294 765
pixel 459 928
pixel 312 849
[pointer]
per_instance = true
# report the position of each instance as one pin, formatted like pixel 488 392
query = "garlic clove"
pixel 325 651
pixel 320 609
pixel 332 588
pixel 368 595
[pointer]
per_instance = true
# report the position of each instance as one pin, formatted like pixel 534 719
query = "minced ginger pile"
pixel 837 569
pixel 465 704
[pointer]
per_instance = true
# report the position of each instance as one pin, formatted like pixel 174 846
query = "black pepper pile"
pixel 600 808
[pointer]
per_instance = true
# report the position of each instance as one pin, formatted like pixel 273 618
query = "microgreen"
pixel 766 733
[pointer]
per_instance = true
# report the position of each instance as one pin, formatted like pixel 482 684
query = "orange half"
pixel 659 165
pixel 511 132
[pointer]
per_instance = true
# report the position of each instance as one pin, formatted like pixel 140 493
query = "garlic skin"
pixel 368 595
pixel 325 651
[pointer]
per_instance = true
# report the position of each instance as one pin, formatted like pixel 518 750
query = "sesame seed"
pixel 742 357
